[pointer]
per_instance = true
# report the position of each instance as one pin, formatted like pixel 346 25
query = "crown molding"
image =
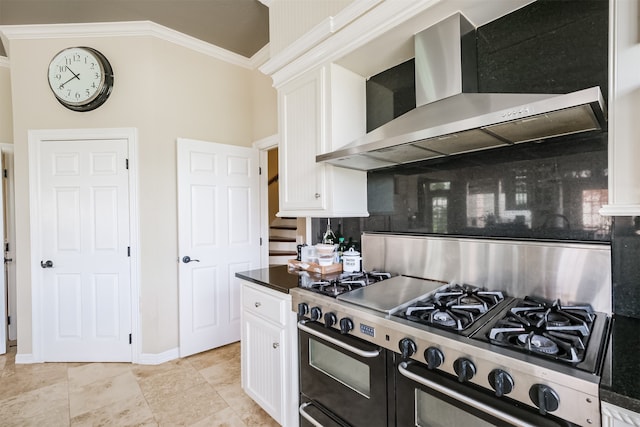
pixel 318 34
pixel 4 62
pixel 360 31
pixel 267 3
pixel 260 57
pixel 122 29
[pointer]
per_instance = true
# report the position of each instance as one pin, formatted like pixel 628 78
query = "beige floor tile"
pixel 213 357
pixel 223 373
pixel 257 417
pixel 170 382
pixel 46 406
pixel 102 393
pixel 127 412
pixel 187 406
pixel 202 390
pixel 224 418
pixel 18 379
pixel 92 372
pixel 237 399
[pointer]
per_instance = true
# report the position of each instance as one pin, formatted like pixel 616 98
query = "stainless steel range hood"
pixel 451 118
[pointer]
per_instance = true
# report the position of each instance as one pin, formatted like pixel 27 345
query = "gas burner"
pixel 344 282
pixel 546 328
pixel 453 307
pixel 538 343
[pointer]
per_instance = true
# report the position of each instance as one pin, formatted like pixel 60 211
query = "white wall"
pixel 6 115
pixel 165 91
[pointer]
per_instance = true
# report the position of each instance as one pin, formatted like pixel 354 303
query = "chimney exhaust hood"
pixel 452 118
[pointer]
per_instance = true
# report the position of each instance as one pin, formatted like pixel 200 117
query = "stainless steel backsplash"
pixel 571 272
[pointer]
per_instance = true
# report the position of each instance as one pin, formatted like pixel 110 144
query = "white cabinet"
pixel 613 416
pixel 269 352
pixel 624 110
pixel 318 112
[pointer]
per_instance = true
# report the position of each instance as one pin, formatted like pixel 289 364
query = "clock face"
pixel 81 78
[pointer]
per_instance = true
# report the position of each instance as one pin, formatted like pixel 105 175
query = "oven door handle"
pixel 342 345
pixel 308 417
pixel 402 368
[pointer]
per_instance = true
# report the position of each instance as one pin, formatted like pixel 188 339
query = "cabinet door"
pixel 302 131
pixel 263 364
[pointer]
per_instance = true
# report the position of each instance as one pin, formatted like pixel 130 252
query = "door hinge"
pixel 128 251
pixel 259 170
pixel 261 241
pixel 6 247
pixel 5 173
pixel 130 340
pixel 8 320
pixel 127 163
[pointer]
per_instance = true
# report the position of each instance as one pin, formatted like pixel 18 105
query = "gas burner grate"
pixel 546 328
pixel 345 282
pixel 454 307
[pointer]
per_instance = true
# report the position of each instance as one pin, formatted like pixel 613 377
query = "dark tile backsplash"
pixel 551 190
pixel 625 253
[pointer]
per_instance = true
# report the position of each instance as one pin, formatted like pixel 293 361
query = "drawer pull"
pixel 257 304
pixel 276 345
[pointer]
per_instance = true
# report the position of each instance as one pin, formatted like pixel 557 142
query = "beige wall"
pixel 165 91
pixel 6 115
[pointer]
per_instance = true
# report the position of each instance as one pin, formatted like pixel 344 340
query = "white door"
pixel 4 294
pixel 84 224
pixel 219 232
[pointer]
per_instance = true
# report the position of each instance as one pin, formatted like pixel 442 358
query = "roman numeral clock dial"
pixel 81 78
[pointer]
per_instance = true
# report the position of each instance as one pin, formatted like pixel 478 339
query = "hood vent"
pixel 451 118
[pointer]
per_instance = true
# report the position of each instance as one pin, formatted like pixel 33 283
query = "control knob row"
pixel 330 319
pixel 432 355
pixel 500 380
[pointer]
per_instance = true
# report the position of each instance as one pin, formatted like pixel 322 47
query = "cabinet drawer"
pixel 264 304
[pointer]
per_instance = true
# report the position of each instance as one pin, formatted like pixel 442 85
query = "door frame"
pixel 8 222
pixel 263 145
pixel 35 139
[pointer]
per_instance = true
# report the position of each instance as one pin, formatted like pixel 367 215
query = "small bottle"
pixel 341 249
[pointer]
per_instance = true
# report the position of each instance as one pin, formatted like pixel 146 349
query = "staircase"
pixel 282 240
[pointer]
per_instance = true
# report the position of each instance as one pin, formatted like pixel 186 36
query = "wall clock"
pixel 81 78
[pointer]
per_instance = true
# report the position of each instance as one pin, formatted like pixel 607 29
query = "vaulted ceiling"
pixel 240 26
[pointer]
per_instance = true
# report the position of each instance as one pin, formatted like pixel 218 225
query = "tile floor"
pixel 200 390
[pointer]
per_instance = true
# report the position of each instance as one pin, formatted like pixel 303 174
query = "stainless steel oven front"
pixel 343 379
pixel 427 397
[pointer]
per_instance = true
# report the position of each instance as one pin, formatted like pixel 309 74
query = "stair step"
pixel 283 227
pixel 283 253
pixel 281 239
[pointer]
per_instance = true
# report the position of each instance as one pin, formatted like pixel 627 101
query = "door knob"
pixel 187 259
pixel 46 264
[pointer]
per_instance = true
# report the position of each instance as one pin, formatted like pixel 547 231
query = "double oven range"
pixel 397 350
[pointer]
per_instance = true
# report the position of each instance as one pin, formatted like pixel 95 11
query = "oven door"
pixel 428 398
pixel 344 375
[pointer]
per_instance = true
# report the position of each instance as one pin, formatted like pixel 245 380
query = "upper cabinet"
pixel 624 110
pixel 318 112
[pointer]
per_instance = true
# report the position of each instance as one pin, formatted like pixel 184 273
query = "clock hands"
pixel 75 76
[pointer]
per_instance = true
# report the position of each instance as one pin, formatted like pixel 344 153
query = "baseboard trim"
pixel 158 358
pixel 25 359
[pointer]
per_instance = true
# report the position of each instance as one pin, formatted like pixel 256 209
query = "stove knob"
pixel 544 397
pixel 434 357
pixel 303 309
pixel 346 325
pixel 316 314
pixel 501 382
pixel 407 347
pixel 330 319
pixel 465 369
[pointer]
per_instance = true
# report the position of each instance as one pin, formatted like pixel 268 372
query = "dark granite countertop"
pixel 278 278
pixel 620 383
